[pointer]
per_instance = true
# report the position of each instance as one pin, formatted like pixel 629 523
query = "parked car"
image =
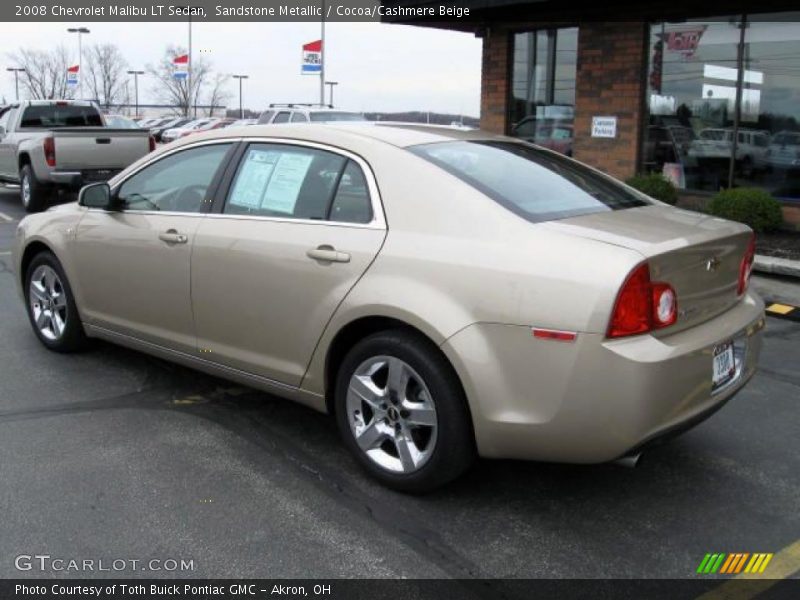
pixel 783 152
pixel 120 122
pixel 159 128
pixel 441 292
pixel 243 122
pixel 214 123
pixel 716 145
pixel 175 132
pixel 47 145
pixel 549 133
pixel 305 113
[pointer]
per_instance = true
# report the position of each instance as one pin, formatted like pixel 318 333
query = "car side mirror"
pixel 96 195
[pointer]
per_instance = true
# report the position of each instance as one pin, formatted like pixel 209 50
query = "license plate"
pixel 724 367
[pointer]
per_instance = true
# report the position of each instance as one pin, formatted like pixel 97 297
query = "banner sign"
pixel 72 75
pixel 312 58
pixel 684 41
pixel 180 66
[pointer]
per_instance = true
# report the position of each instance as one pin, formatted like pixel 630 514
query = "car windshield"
pixel 534 183
pixel 336 115
pixel 51 116
pixel 714 134
pixel 787 139
pixel 120 122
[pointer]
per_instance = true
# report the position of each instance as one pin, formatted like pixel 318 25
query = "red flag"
pixel 315 46
pixel 73 69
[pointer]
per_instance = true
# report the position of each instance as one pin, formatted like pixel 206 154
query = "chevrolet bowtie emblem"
pixel 712 264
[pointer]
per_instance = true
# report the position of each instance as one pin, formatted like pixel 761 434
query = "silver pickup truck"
pixel 47 145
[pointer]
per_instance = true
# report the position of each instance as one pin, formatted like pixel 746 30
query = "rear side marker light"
pixel 553 334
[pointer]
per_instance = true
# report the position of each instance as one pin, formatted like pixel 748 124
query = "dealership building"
pixel 707 93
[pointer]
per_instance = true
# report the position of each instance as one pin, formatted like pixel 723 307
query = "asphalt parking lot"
pixel 112 454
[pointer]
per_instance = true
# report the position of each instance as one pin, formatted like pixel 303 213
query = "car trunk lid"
pixel 697 254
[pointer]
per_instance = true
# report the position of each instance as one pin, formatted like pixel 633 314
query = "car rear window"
pixel 50 116
pixel 534 183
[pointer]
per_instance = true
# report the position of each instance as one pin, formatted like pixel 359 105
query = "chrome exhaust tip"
pixel 630 461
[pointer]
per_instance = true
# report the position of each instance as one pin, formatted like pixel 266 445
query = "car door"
pixel 133 264
pixel 291 234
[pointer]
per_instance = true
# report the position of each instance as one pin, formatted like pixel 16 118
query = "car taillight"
pixel 746 266
pixel 152 143
pixel 642 305
pixel 49 147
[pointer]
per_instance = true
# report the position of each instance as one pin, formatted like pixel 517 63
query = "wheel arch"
pixel 32 249
pixel 358 329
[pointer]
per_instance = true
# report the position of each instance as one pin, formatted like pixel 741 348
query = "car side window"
pixel 281 117
pixel 265 117
pixel 6 118
pixel 275 180
pixel 298 117
pixel 351 204
pixel 175 183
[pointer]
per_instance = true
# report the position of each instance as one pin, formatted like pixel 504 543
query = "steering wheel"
pixel 190 198
pixel 135 197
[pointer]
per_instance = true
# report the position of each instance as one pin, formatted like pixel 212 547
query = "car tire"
pixel 51 305
pixel 413 434
pixel 34 195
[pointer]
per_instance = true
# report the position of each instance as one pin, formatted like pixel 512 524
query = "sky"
pixel 379 67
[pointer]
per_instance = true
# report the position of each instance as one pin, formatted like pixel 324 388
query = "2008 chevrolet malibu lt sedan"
pixel 444 293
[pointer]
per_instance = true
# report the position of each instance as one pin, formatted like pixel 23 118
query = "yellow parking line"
pixel 783 564
pixel 781 309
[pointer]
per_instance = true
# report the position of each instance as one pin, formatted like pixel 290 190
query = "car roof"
pixel 401 135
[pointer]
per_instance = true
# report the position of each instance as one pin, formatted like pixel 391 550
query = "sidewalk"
pixel 777 266
pixel 777 289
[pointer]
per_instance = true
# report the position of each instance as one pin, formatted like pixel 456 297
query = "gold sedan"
pixel 444 293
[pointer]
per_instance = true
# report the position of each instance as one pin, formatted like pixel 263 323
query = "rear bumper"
pixel 594 399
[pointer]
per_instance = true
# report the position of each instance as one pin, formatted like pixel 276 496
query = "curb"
pixel 777 266
pixel 783 311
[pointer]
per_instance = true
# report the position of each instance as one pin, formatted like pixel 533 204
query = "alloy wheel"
pixel 25 184
pixel 392 414
pixel 48 302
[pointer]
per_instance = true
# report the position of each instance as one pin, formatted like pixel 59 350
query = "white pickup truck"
pixel 47 145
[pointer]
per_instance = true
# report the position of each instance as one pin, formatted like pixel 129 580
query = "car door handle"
pixel 327 253
pixel 173 237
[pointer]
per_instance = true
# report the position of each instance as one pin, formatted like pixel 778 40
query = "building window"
pixel 543 87
pixel 701 74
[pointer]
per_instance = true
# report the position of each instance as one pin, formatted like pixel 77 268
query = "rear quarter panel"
pixel 453 257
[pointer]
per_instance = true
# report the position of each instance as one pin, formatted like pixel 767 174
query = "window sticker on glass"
pixel 253 178
pixel 286 181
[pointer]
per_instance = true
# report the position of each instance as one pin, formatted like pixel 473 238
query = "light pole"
pixel 331 84
pixel 136 87
pixel 239 77
pixel 17 71
pixel 80 31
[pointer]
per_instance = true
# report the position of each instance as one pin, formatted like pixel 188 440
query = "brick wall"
pixel 495 81
pixel 612 59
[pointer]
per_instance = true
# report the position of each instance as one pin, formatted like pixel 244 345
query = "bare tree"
pixel 176 91
pixel 218 95
pixel 105 74
pixel 45 74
